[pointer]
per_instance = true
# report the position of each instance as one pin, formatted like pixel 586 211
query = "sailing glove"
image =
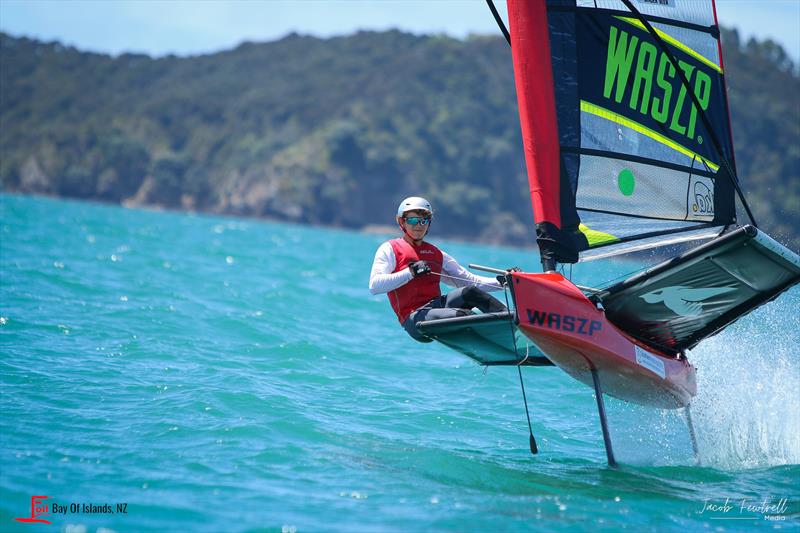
pixel 419 268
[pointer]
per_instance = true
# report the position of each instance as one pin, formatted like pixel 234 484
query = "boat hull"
pixel 575 335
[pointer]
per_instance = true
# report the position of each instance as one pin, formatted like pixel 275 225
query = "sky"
pixel 190 27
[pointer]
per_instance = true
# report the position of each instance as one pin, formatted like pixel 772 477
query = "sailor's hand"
pixel 419 268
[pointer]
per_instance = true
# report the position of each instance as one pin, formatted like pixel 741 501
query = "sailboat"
pixel 628 146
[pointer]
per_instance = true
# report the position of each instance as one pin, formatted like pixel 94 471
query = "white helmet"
pixel 414 203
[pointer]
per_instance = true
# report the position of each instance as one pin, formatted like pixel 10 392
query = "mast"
pixel 533 74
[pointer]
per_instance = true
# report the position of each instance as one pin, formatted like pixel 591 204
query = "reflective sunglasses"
pixel 424 221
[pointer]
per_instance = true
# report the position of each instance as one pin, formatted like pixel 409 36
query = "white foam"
pixel 747 410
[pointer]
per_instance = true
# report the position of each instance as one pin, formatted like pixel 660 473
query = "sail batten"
pixel 649 244
pixel 711 29
pixel 607 114
pixel 642 129
pixel 637 159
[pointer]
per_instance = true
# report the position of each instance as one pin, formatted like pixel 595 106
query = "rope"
pixel 471 281
pixel 534 448
pixel 499 21
pixel 609 282
pixel 703 115
pixel 527 354
pixel 511 323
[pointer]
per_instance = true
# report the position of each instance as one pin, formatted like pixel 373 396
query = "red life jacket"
pixel 419 290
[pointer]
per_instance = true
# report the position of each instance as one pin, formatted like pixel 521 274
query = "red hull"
pixel 576 336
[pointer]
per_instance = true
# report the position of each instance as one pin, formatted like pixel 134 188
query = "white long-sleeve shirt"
pixel 382 279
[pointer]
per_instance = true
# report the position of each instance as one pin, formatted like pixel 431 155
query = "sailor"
pixel 409 270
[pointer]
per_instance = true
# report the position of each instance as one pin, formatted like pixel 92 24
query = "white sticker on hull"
pixel 650 362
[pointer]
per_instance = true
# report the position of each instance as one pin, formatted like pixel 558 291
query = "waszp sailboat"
pixel 628 145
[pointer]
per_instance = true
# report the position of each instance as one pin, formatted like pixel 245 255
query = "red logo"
pixel 37 510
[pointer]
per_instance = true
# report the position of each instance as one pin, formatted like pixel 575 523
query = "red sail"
pixel 530 48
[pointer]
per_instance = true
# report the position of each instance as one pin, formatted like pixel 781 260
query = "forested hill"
pixel 333 131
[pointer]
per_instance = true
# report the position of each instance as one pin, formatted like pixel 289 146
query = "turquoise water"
pixel 220 374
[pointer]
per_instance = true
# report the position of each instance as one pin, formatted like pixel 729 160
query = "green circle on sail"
pixel 626 181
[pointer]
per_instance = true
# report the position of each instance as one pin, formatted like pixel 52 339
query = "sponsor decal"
pixel 701 198
pixel 566 323
pixel 627 79
pixel 684 301
pixel 650 362
pixel 41 510
pixel 426 252
pixel 626 181
pixel 663 3
pixel 640 65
